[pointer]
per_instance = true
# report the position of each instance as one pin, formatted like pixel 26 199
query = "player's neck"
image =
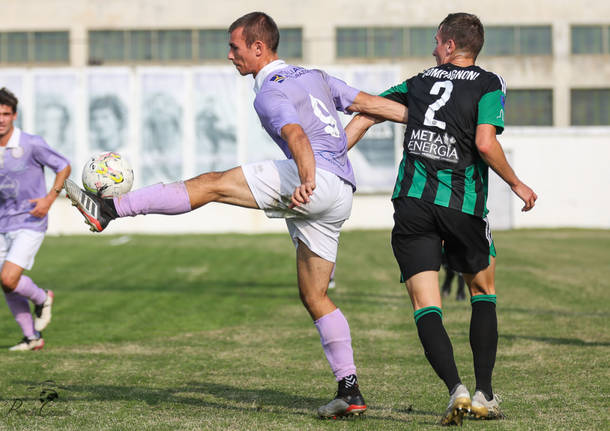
pixel 461 60
pixel 265 61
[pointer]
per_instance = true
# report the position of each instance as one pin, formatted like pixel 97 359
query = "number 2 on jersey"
pixel 429 119
pixel 324 116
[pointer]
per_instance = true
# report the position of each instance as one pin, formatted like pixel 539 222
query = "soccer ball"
pixel 107 175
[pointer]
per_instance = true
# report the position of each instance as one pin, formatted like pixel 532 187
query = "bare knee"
pixel 311 299
pixel 483 282
pixel 478 288
pixel 203 188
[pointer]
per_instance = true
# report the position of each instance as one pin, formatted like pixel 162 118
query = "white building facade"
pixel 123 56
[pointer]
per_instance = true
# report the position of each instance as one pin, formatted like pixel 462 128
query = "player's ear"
pixel 259 46
pixel 450 46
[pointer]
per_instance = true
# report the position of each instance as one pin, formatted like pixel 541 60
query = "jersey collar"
pixel 265 71
pixel 13 142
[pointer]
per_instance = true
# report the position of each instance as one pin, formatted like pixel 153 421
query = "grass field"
pixel 207 332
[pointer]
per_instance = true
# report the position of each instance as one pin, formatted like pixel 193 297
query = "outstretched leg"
pixel 175 198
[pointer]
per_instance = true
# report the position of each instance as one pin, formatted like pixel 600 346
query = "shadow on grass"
pixel 184 394
pixel 180 394
pixel 556 340
pixel 227 398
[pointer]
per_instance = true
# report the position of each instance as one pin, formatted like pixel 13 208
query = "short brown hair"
pixel 258 26
pixel 7 98
pixel 466 31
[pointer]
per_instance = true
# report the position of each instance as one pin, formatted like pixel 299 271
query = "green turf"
pixel 207 332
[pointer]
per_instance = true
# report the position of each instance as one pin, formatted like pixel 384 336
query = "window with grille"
pixel 186 45
pixel 291 43
pixel 529 107
pixel 590 39
pixel 590 107
pixel 518 40
pixel 35 47
pixel 385 42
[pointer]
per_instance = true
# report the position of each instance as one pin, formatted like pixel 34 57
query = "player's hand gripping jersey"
pixel 310 98
pixel 441 163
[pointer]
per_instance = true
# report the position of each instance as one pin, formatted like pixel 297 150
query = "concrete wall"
pixel 319 19
pixel 568 169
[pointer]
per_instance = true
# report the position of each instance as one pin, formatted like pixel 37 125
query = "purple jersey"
pixel 310 98
pixel 22 164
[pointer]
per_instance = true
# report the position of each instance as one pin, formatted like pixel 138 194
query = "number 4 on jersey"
pixel 429 119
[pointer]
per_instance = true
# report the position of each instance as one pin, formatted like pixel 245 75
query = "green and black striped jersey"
pixel 441 163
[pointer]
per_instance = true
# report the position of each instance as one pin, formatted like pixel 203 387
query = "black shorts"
pixel 422 229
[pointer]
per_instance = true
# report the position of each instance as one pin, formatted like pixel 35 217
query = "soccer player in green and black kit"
pixel 455 110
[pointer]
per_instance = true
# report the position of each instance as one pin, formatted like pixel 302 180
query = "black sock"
pixel 484 343
pixel 437 348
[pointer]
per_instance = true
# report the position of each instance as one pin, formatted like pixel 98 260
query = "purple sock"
pixel 28 289
pixel 337 343
pixel 156 199
pixel 20 307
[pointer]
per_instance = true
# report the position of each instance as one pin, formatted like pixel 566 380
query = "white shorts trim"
pixel 317 223
pixel 20 247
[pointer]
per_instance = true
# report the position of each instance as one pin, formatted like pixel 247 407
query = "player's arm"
pixel 492 153
pixel 380 107
pixel 302 153
pixel 42 205
pixel 391 105
pixel 373 109
pixel 349 99
pixel 357 127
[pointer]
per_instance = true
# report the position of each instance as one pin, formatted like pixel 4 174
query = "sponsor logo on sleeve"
pixel 277 78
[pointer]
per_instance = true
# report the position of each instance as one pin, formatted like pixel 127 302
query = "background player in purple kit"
pixel 312 188
pixel 24 204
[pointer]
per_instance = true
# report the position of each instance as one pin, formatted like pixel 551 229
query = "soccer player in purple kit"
pixel 312 189
pixel 24 204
